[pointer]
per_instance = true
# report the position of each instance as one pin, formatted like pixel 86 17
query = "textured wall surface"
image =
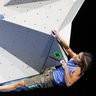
pixel 25 34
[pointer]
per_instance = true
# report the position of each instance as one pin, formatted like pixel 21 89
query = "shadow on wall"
pixel 16 2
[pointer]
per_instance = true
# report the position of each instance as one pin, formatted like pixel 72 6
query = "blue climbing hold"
pixel 1 16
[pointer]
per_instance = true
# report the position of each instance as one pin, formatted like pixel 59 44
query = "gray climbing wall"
pixel 25 34
pixel 25 44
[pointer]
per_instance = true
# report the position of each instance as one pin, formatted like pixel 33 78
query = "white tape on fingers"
pixel 62 61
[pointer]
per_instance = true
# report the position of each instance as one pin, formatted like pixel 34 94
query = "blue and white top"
pixel 59 73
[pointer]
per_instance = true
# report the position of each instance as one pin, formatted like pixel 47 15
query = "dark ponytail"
pixel 86 62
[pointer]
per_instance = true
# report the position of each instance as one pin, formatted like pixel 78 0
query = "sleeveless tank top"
pixel 59 73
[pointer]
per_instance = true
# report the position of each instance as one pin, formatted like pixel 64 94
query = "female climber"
pixel 66 74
